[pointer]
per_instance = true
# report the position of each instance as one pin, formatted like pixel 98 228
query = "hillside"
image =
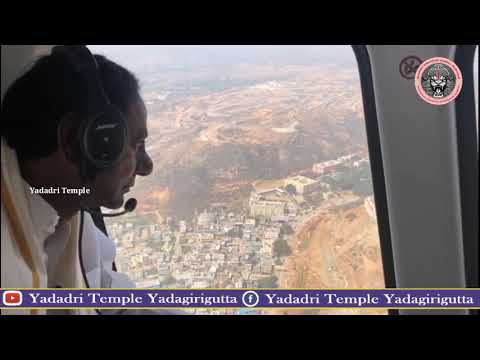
pixel 335 249
pixel 220 142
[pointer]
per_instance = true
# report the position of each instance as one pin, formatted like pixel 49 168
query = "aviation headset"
pixel 102 136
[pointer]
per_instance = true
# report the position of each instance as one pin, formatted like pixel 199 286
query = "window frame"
pixel 376 165
pixel 467 147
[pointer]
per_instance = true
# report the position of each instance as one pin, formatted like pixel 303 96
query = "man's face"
pixel 111 184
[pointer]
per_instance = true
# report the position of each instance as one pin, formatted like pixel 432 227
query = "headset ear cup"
pixel 102 137
pixel 77 154
pixel 105 138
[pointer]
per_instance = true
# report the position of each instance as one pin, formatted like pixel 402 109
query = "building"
pixel 271 233
pixel 183 226
pixel 206 220
pixel 200 284
pixel 266 266
pixel 267 208
pixel 250 223
pixel 145 233
pixel 303 184
pixel 282 218
pixel 330 166
pixel 360 163
pixel 323 167
pixel 369 204
pixel 271 203
pixel 147 283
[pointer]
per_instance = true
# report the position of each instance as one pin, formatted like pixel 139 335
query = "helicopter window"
pixel 261 172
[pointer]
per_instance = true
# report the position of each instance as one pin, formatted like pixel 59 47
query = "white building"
pixel 259 206
pixel 183 226
pixel 369 204
pixel 360 162
pixel 303 184
pixel 206 220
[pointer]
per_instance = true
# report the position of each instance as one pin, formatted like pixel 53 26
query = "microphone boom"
pixel 129 206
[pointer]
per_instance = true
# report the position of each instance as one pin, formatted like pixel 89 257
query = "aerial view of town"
pixel 261 177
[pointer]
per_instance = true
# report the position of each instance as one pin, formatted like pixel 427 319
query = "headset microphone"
pixel 129 206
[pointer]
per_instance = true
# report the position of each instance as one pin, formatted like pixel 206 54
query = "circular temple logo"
pixel 438 81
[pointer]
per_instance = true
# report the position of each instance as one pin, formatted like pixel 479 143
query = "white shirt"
pixel 98 251
pixel 53 236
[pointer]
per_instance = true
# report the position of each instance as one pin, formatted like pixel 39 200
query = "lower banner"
pixel 241 298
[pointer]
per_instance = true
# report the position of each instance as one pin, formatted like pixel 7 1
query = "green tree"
pixel 235 232
pixel 169 280
pixel 286 229
pixel 268 282
pixel 281 248
pixel 291 189
pixel 363 188
pixel 174 226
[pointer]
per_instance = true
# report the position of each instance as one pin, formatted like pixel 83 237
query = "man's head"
pixel 42 113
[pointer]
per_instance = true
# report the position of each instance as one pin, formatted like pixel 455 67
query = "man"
pixel 44 177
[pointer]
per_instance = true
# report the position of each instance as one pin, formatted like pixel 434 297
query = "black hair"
pixel 35 103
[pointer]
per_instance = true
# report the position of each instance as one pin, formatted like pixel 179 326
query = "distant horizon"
pixel 191 56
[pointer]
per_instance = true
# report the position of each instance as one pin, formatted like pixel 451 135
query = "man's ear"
pixel 67 137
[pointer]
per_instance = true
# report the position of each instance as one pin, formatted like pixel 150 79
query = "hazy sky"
pixel 139 57
pixel 208 55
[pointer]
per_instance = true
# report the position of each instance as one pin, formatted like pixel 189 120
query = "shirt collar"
pixel 44 216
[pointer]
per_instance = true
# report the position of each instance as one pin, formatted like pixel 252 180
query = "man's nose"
pixel 144 165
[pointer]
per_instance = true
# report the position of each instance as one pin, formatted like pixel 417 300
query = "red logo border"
pixel 458 83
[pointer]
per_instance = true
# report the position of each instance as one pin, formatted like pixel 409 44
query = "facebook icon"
pixel 250 298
